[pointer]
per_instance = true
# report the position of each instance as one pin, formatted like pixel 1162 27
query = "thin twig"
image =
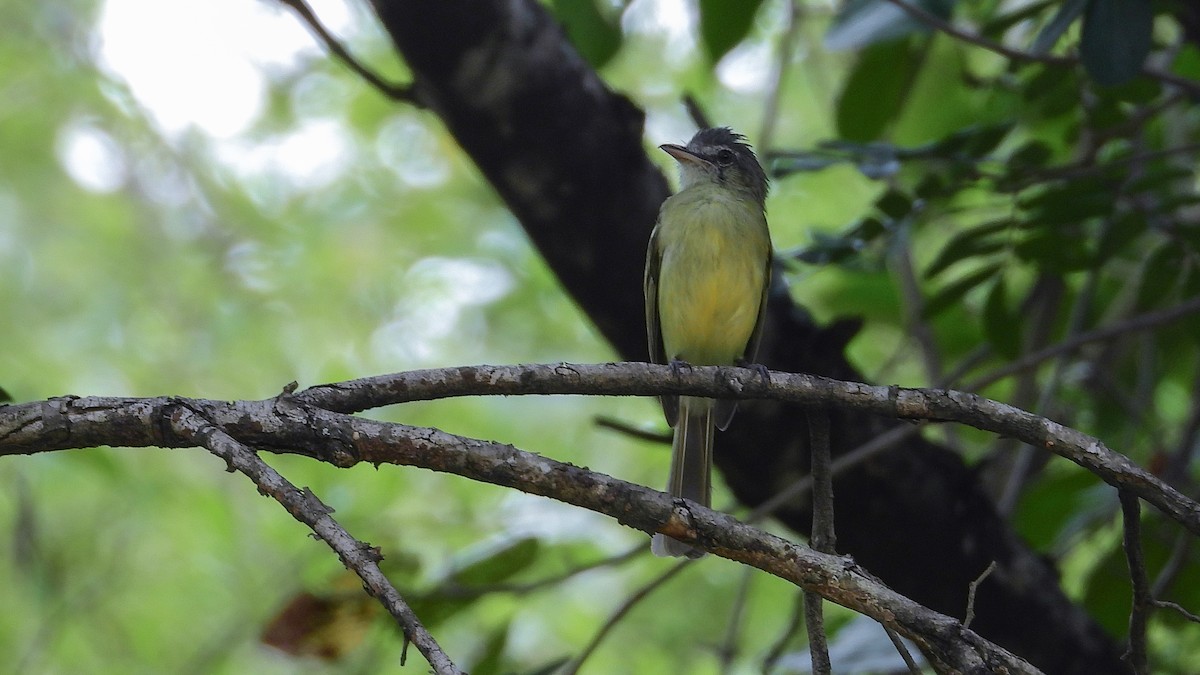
pixel 1134 324
pixel 795 621
pixel 787 40
pixel 1131 515
pixel 902 650
pixel 393 91
pixel 1174 565
pixel 641 594
pixel 1174 606
pixel 800 487
pixel 972 588
pixel 936 22
pixel 729 645
pixel 620 426
pixel 694 111
pixel 455 591
pixel 824 538
pixel 814 623
pixel 308 509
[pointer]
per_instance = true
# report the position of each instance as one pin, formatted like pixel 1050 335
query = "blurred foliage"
pixel 330 233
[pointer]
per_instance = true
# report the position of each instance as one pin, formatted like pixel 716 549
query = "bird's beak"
pixel 683 155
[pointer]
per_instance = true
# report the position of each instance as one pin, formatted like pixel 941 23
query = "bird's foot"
pixel 758 368
pixel 678 366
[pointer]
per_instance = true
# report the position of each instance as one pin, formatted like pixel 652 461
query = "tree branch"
pixel 308 509
pixel 288 424
pixel 72 422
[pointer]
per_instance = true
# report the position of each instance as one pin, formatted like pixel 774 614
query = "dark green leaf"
pixel 595 36
pixel 894 204
pixel 1032 155
pixel 1069 203
pixel 1187 62
pixel 1063 18
pixel 1158 176
pixel 1116 39
pixel 1118 234
pixel 1000 326
pixel 725 23
pixel 1054 251
pixel 1161 274
pixel 491 661
pixel 861 23
pixel 498 565
pixel 998 26
pixel 981 240
pixel 876 90
pixel 932 186
pixel 952 293
pixel 1045 513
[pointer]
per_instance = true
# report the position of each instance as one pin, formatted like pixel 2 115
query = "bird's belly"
pixel 709 291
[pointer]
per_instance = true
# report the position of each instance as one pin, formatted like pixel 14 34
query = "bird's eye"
pixel 724 157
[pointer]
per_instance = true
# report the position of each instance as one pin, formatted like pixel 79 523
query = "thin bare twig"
pixel 902 650
pixel 531 586
pixel 729 645
pixel 824 538
pixel 785 637
pixel 632 601
pixel 1174 565
pixel 392 91
pixel 1134 324
pixel 1131 515
pixel 938 23
pixel 308 509
pixel 620 426
pixel 972 588
pixel 1176 607
pixel 787 43
pixel 694 111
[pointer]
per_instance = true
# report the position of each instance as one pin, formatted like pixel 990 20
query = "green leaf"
pixel 861 23
pixel 498 565
pixel 976 241
pixel 1161 274
pixel 1001 327
pixel 894 204
pixel 1116 39
pixel 725 23
pixel 1032 155
pixel 1187 62
pixel 1058 24
pixel 876 90
pixel 596 36
pixel 1054 251
pixel 952 293
pixel 1119 234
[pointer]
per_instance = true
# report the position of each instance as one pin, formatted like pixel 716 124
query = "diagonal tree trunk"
pixel 566 154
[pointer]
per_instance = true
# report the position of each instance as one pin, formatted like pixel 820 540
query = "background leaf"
pixel 1116 39
pixel 725 23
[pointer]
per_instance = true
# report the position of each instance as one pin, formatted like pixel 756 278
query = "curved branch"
pixel 308 509
pixel 625 379
pixel 40 424
pixel 287 424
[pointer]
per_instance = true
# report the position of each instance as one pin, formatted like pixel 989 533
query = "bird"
pixel 708 267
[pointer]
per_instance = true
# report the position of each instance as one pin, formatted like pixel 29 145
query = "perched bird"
pixel 707 271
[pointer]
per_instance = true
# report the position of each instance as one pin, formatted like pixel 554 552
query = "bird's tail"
pixel 691 465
